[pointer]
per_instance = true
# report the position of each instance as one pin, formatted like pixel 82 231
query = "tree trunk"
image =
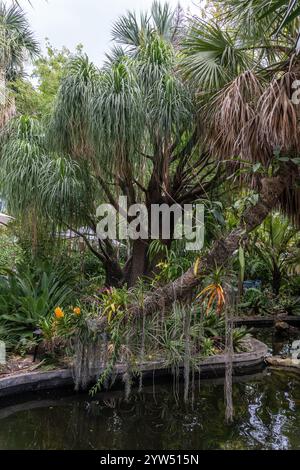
pixel 220 253
pixel 113 274
pixel 138 263
pixel 276 280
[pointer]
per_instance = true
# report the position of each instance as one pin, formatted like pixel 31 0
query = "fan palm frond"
pixel 17 42
pixel 259 19
pixel 134 32
pixel 163 17
pixel 131 31
pixel 116 55
pixel 212 56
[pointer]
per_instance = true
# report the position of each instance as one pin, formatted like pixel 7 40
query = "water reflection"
pixel 267 416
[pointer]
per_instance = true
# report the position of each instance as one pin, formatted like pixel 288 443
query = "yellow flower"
pixel 59 313
pixel 77 311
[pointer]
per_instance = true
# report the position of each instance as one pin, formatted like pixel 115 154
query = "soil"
pixel 17 364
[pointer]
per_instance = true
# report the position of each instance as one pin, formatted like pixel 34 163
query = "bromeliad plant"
pixel 113 302
pixel 173 263
pixel 213 294
pixel 56 331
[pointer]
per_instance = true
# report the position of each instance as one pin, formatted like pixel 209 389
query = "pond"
pixel 267 416
pixel 278 345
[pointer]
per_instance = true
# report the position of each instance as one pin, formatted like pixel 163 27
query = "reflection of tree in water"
pixel 163 421
pixel 267 415
pixel 273 414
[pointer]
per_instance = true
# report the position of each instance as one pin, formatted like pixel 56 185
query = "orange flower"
pixel 59 313
pixel 77 311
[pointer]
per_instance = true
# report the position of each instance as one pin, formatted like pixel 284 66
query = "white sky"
pixel 88 22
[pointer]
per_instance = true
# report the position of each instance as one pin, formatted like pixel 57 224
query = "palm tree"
pixel 17 41
pixel 17 44
pixel 276 242
pixel 260 17
pixel 251 80
pixel 133 33
pixel 244 70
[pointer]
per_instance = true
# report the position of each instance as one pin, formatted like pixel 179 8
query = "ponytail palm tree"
pixel 27 166
pixel 133 124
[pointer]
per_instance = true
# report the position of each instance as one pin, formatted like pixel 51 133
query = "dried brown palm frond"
pixel 250 121
pixel 234 109
pixel 250 147
pixel 278 125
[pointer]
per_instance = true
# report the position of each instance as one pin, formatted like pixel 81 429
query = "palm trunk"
pixel 220 254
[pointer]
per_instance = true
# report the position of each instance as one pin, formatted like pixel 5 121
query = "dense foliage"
pixel 184 110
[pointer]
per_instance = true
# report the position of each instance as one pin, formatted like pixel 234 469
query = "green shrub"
pixel 10 252
pixel 30 294
pixel 239 337
pixel 256 301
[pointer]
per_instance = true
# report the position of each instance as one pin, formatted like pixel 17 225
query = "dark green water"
pixel 267 416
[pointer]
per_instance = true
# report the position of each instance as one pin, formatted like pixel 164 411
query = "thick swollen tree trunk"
pixel 221 252
pixel 138 263
pixel 113 274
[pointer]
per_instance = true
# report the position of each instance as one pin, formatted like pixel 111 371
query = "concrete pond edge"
pixel 243 364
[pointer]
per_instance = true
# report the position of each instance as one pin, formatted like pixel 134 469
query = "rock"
pixel 282 326
pixel 296 345
pixel 295 350
pixel 277 361
pixel 296 354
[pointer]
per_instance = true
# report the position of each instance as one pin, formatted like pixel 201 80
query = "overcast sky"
pixel 70 22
